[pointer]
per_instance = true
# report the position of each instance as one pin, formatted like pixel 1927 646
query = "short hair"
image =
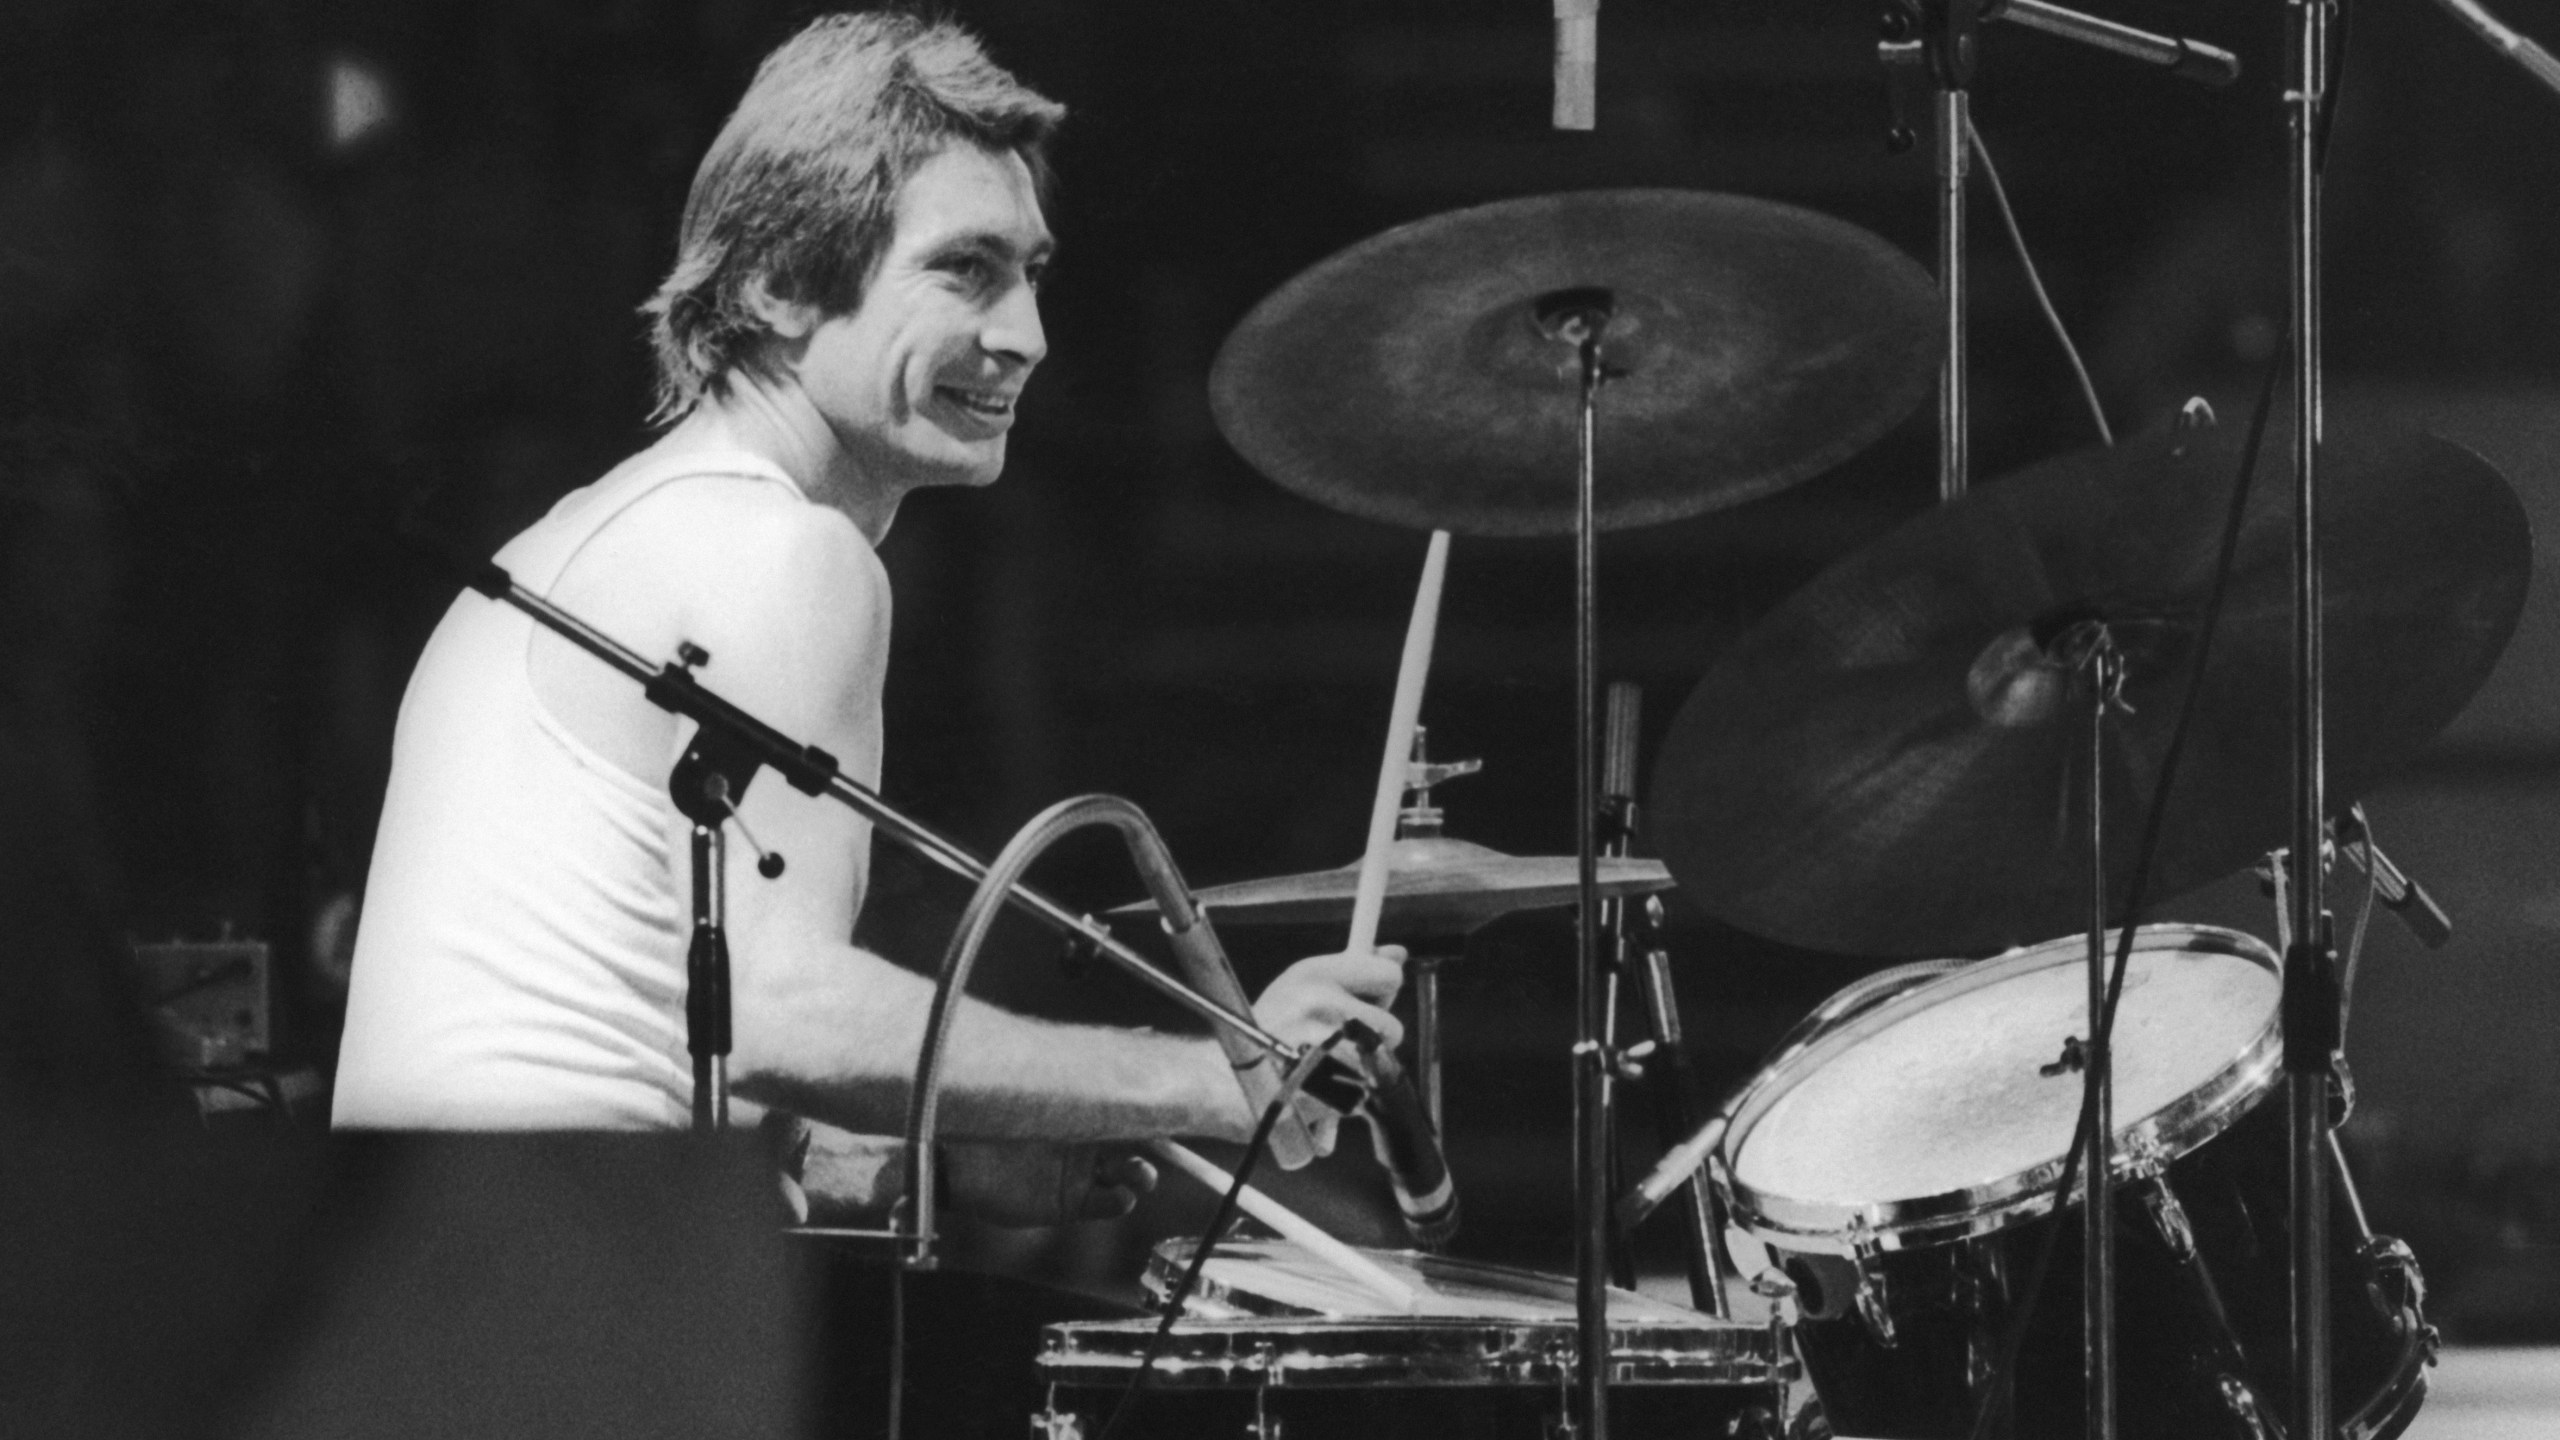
pixel 800 188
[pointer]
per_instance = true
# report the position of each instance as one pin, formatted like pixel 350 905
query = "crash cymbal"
pixel 1436 888
pixel 1884 766
pixel 1751 345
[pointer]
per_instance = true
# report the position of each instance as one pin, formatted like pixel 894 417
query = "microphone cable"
pixel 2035 283
pixel 1219 1220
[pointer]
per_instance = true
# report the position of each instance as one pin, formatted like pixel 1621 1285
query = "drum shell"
pixel 1425 1378
pixel 2189 1314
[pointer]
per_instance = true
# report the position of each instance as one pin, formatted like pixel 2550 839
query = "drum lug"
pixel 2397 1289
pixel 2169 1219
pixel 2243 1403
pixel 1869 1296
pixel 1052 1423
pixel 1755 1423
pixel 1873 1308
pixel 1265 1426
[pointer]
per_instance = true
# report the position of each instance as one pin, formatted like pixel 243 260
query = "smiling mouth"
pixel 980 403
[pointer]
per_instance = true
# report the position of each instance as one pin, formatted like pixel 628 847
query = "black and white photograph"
pixel 1332 719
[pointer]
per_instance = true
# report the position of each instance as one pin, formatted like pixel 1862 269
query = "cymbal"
pixel 1436 888
pixel 1882 765
pixel 1407 379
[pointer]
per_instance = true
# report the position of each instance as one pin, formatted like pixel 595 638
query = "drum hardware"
pixel 2243 1404
pixel 1774 1287
pixel 1579 316
pixel 1840 1180
pixel 1491 1351
pixel 2168 1219
pixel 1660 1061
pixel 1052 1423
pixel 2351 836
pixel 1868 1295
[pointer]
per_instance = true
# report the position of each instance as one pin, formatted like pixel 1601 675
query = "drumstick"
pixel 1292 1226
pixel 1369 899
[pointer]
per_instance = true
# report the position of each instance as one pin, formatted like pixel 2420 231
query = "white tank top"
pixel 520 963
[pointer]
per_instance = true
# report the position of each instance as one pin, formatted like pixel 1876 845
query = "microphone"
pixel 1409 1149
pixel 2399 893
pixel 1577 72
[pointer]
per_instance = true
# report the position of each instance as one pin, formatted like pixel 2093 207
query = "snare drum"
pixel 1900 1162
pixel 1274 1343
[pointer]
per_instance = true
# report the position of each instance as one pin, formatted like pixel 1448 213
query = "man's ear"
pixel 786 319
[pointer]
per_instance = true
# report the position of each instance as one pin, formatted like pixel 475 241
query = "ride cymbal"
pixel 1750 345
pixel 1891 764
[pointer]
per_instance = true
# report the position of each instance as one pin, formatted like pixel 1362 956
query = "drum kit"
pixel 1907 757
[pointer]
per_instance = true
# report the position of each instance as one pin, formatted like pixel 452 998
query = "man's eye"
pixel 1036 275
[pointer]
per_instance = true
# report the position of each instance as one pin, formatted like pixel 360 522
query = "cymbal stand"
pixel 1577 317
pixel 1420 819
pixel 2311 1004
pixel 1670 1081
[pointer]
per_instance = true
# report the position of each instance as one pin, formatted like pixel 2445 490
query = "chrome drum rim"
pixel 2143 1148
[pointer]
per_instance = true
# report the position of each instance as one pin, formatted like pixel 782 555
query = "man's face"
pixel 919 381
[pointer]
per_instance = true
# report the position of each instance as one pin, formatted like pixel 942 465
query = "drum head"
pixel 1276 1278
pixel 1932 1115
pixel 1473 1325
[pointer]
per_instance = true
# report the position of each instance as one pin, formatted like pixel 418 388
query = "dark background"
pixel 274 274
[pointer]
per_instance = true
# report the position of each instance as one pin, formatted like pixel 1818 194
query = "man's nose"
pixel 1013 331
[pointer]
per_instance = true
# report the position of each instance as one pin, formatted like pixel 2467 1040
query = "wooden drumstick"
pixel 1369 899
pixel 1293 1227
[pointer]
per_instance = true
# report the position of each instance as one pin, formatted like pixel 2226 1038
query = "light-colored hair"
pixel 800 188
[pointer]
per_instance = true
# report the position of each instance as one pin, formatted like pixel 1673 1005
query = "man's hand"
pixel 1310 1000
pixel 1022 1184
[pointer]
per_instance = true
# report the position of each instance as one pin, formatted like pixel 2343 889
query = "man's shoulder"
pixel 734 530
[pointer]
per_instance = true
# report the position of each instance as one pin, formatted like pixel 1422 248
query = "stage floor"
pixel 2492 1394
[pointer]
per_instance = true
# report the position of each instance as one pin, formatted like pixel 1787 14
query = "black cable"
pixel 1224 1216
pixel 2035 283
pixel 2101 1189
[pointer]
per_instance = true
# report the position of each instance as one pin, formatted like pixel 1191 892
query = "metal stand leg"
pixel 2098 1237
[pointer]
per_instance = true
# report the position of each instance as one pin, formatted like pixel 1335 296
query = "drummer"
pixel 852 316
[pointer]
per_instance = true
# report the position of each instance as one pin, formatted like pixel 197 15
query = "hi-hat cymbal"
pixel 1437 888
pixel 1885 765
pixel 1408 378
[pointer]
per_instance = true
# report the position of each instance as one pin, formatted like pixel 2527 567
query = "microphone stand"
pixel 1935 39
pixel 2311 1004
pixel 730 745
pixel 1579 317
